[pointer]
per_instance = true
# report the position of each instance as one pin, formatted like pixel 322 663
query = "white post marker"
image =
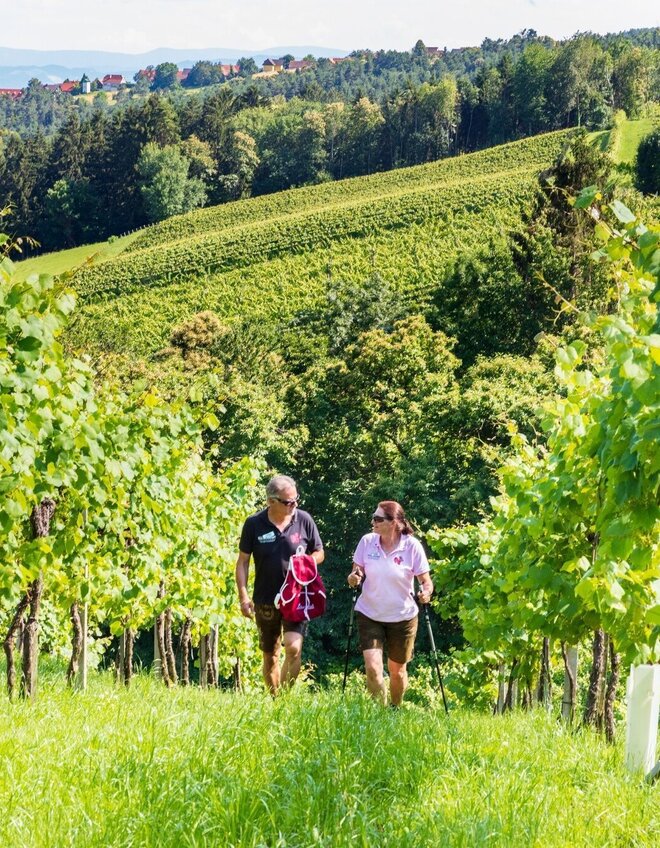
pixel 643 696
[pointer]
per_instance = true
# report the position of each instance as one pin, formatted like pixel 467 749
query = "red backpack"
pixel 302 595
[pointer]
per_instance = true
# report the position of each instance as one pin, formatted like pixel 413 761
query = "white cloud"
pixel 137 25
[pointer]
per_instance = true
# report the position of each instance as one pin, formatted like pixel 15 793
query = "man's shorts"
pixel 399 636
pixel 270 623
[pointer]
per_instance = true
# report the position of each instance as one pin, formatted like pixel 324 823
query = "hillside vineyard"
pixel 406 225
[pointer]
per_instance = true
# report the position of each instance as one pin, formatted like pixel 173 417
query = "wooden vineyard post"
pixel 122 657
pixel 643 696
pixel 215 633
pixel 157 666
pixel 569 698
pixel 81 681
pixel 501 689
pixel 40 519
pixel 512 701
pixel 545 677
pixel 600 716
pixel 203 643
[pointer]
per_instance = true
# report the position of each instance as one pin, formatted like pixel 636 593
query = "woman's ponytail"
pixel 406 529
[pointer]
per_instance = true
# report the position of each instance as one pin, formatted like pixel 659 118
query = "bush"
pixel 647 164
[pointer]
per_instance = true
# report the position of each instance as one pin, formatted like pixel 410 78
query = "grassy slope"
pixel 271 256
pixel 59 262
pixel 148 767
pixel 622 144
pixel 629 137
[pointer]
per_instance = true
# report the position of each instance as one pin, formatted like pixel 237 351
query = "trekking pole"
pixel 434 651
pixel 350 633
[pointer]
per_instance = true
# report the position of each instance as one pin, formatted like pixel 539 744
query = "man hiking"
pixel 270 537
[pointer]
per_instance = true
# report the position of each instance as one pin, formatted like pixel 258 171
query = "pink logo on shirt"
pixel 398 560
pixel 295 538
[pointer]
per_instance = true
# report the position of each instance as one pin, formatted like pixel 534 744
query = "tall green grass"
pixel 149 767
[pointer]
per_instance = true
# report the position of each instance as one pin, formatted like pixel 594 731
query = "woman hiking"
pixel 385 562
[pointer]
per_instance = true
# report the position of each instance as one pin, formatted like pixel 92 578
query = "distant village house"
pixel 299 65
pixel 147 73
pixel 112 82
pixel 272 66
pixel 70 86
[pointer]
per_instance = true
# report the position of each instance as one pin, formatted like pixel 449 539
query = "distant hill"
pixel 19 66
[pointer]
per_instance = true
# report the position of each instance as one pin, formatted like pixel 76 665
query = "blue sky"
pixel 138 25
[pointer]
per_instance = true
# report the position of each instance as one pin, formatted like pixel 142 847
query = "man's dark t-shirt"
pixel 271 549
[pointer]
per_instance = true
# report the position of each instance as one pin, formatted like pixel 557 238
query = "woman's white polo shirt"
pixel 387 585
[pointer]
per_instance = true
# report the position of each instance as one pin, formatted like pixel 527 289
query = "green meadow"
pixel 150 767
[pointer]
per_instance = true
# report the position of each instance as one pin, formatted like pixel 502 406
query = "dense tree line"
pixel 608 64
pixel 99 174
pixel 377 75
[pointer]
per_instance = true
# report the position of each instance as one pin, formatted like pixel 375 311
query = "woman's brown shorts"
pixel 271 624
pixel 398 636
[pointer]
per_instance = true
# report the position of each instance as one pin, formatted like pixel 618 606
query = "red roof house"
pixel 300 65
pixel 14 93
pixel 111 82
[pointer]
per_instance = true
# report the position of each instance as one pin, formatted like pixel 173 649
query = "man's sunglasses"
pixel 291 502
pixel 378 518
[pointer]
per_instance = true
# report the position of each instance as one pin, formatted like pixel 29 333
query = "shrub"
pixel 647 164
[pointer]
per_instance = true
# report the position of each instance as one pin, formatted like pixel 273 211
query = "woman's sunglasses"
pixel 378 518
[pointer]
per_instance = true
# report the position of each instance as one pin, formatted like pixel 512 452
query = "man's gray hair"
pixel 277 483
